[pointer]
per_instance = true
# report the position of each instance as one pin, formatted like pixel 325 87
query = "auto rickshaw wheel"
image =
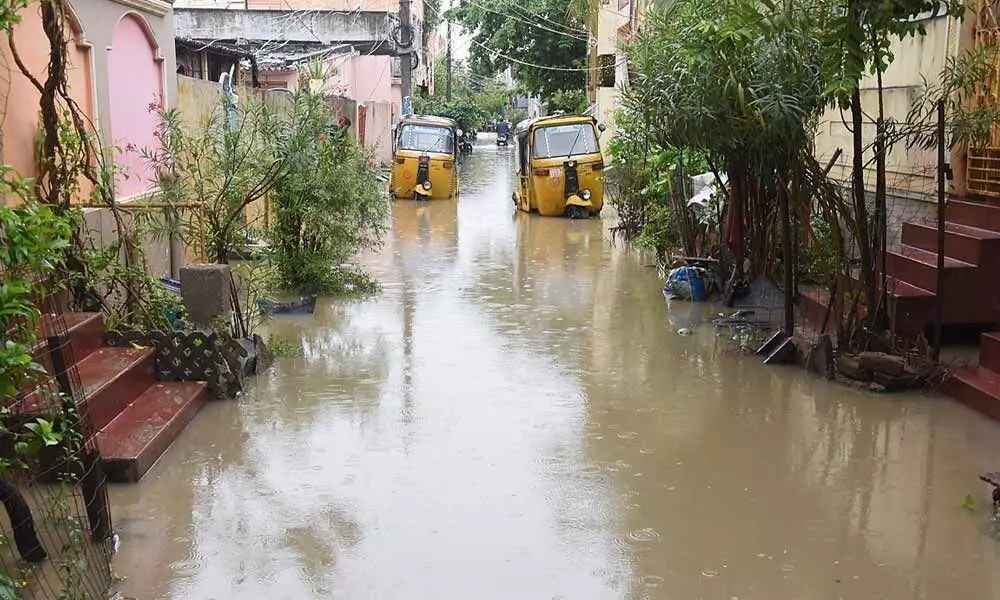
pixel 577 212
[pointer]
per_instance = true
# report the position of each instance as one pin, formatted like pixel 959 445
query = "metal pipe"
pixel 939 292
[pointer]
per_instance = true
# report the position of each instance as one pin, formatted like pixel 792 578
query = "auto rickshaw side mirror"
pixel 602 127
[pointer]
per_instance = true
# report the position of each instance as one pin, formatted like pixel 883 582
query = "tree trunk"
pixel 861 218
pixel 786 243
pixel 21 522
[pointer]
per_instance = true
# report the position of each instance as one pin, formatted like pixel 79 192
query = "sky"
pixel 459 39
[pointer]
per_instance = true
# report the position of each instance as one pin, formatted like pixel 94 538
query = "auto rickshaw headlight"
pixel 571 164
pixel 427 185
pixel 585 194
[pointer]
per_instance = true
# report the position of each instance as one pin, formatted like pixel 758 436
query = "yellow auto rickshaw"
pixel 423 158
pixel 560 169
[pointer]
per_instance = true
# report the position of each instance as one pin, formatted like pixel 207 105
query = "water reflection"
pixel 517 416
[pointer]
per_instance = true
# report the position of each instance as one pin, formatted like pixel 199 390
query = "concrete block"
pixel 205 292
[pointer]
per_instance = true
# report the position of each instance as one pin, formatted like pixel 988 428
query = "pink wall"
pixel 20 125
pixel 277 79
pixel 135 81
pixel 371 80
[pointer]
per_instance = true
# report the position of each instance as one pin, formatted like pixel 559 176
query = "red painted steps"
pixel 135 417
pixel 981 215
pixel 84 330
pixel 971 292
pixel 919 268
pixel 978 388
pixel 962 242
pixel 143 431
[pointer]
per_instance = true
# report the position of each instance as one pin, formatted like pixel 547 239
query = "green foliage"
pixel 33 243
pixel 8 589
pixel 330 207
pixel 728 78
pixel 474 99
pixel 971 115
pixel 464 111
pixel 128 297
pixel 525 34
pixel 739 85
pixel 859 33
pixel 41 434
pixel 32 235
pixel 568 101
pixel 817 260
pixel 9 16
pixel 223 168
pixel 281 346
pixel 969 503
pixel 661 232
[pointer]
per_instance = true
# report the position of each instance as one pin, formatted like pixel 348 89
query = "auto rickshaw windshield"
pixel 564 140
pixel 426 138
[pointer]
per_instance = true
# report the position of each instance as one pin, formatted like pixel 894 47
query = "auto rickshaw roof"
pixel 527 124
pixel 430 120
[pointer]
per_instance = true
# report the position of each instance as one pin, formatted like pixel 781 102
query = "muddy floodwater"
pixel 516 417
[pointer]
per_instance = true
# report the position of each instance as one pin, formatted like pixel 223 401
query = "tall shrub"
pixel 330 207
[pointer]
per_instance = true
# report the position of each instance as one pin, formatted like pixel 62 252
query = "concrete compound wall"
pixel 99 224
pixel 379 119
pixel 910 173
pixel 323 26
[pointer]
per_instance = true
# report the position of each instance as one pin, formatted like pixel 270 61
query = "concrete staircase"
pixel 971 294
pixel 135 418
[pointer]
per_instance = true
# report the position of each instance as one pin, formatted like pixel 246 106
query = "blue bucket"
pixel 694 280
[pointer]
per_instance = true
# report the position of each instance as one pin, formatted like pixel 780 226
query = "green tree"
pixel 542 40
pixel 858 42
pixel 475 98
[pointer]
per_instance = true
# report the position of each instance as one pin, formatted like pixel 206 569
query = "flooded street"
pixel 515 417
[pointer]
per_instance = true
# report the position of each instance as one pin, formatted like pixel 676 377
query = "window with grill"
pixel 606 72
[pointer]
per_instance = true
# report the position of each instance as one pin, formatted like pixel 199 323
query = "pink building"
pixel 356 43
pixel 120 55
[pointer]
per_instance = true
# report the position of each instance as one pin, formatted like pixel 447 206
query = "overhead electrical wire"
pixel 527 13
pixel 536 66
pixel 521 19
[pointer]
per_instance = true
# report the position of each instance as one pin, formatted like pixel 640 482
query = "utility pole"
pixel 447 60
pixel 406 38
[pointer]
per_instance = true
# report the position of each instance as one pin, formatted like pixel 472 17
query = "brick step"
pixel 112 378
pixel 971 295
pixel 974 214
pixel 978 388
pixel 142 432
pixel 989 351
pixel 911 308
pixel 84 332
pixel 918 267
pixel 961 242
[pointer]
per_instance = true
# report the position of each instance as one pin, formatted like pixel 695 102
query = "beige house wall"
pixel 910 173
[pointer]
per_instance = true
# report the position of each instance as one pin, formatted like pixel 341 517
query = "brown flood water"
pixel 515 417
